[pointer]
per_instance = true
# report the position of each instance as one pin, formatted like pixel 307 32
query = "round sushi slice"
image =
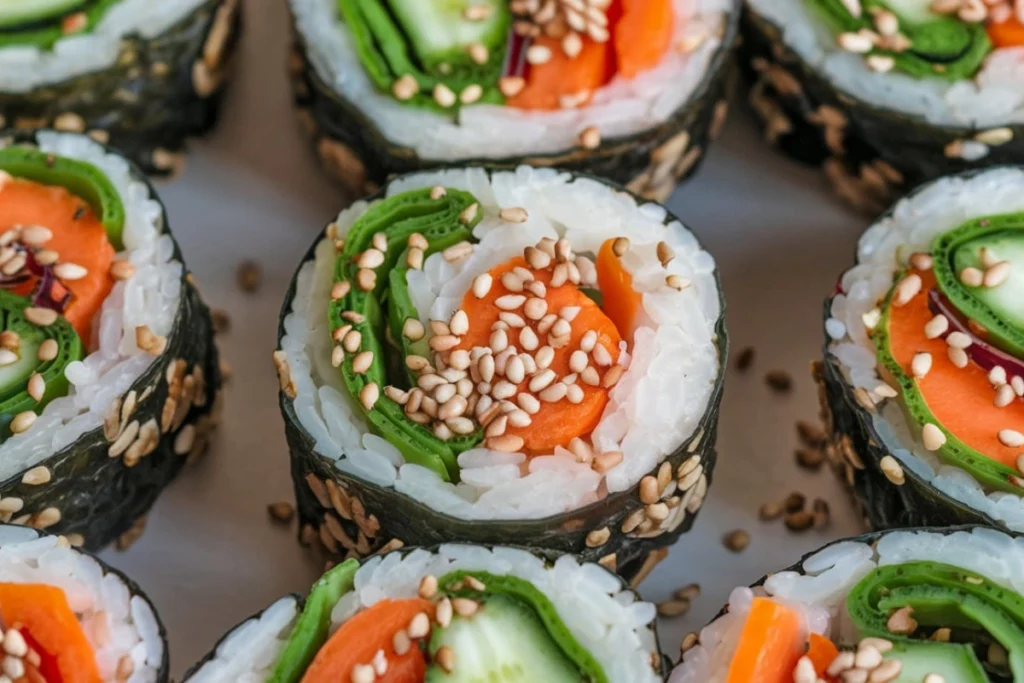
pixel 923 379
pixel 915 606
pixel 632 90
pixel 108 371
pixel 457 613
pixel 525 357
pixel 140 75
pixel 66 616
pixel 888 94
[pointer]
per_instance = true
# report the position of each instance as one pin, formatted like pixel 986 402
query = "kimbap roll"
pixel 140 75
pixel 66 616
pixel 915 606
pixel 631 90
pixel 108 371
pixel 525 357
pixel 457 613
pixel 922 385
pixel 888 94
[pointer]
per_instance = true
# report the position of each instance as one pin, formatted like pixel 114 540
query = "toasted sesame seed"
pixel 880 63
pixel 612 376
pixel 921 261
pixel 444 96
pixel 538 54
pixel 554 393
pixel 1004 396
pixel 606 461
pixel 371 258
pixel 419 626
pixel 510 302
pixel 37 386
pixel 958 356
pixel 1011 438
pixel 340 289
pixel 510 86
pixel 590 137
pixel 42 317
pixel 997 274
pixel 892 470
pixel 368 395
pixel 477 12
pixel 921 364
pixel 855 42
pixel 445 658
pixel 513 214
pixel 506 443
pixel 471 93
pixel 736 540
pixel 468 215
pixel 405 87
pixel 7 357
pixel 959 340
pixel 366 279
pixel 972 277
pixel 412 329
pixel 70 271
pixel 10 340
pixel 48 350
pixel 541 380
pixel 677 282
pixel 936 327
pixel 459 323
pixel 590 376
pixel 352 341
pixel 932 437
pixel 22 421
pixel 901 622
pixel 907 289
pixel 362 362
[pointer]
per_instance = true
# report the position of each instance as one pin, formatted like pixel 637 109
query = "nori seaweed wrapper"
pixel 870 155
pixel 548 556
pixel 158 92
pixel 95 498
pixel 651 163
pixel 164 671
pixel 349 517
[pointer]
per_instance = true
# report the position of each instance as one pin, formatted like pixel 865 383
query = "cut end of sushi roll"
pixel 108 372
pixel 633 90
pixel 138 75
pixel 886 95
pixel 923 380
pixel 529 357
pixel 460 613
pixel 916 606
pixel 65 616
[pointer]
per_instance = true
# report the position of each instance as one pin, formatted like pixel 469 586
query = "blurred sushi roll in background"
pixel 915 606
pixel 922 385
pixel 526 357
pixel 137 74
pixel 108 370
pixel 66 616
pixel 456 613
pixel 888 94
pixel 633 91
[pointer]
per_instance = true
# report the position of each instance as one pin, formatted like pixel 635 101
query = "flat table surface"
pixel 253 190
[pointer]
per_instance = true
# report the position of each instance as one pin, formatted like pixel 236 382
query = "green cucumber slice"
pixel 440 33
pixel 310 631
pixel 43 31
pixel 952 661
pixel 913 11
pixel 17 12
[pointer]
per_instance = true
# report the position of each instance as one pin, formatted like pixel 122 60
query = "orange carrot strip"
pixel 359 639
pixel 556 424
pixel 82 240
pixel 44 613
pixel 960 398
pixel 821 652
pixel 620 301
pixel 771 644
pixel 561 77
pixel 643 35
pixel 1009 33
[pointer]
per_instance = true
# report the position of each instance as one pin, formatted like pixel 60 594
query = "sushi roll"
pixel 66 616
pixel 139 75
pixel 922 385
pixel 888 94
pixel 633 91
pixel 455 613
pixel 108 370
pixel 525 357
pixel 915 606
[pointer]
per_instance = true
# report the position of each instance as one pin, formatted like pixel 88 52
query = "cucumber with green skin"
pixel 43 26
pixel 440 33
pixel 14 13
pixel 952 661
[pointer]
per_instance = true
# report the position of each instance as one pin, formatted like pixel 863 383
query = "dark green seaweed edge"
pixel 146 111
pixel 870 538
pixel 547 555
pixel 98 496
pixel 856 449
pixel 413 523
pixel 354 151
pixel 909 144
pixel 163 673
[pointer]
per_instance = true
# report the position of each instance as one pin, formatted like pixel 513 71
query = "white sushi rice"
pixel 116 623
pixel 994 97
pixel 658 403
pixel 881 252
pixel 25 67
pixel 620 108
pixel 825 579
pixel 150 297
pixel 607 620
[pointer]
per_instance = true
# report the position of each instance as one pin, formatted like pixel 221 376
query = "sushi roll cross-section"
pixel 460 613
pixel 916 606
pixel 108 372
pixel 632 90
pixel 138 74
pixel 887 94
pixel 525 356
pixel 924 372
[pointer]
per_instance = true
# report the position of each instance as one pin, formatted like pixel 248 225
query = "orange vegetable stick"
pixel 44 613
pixel 1009 33
pixel 821 652
pixel 771 644
pixel 81 240
pixel 557 423
pixel 960 398
pixel 643 35
pixel 359 639
pixel 619 300
pixel 560 76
